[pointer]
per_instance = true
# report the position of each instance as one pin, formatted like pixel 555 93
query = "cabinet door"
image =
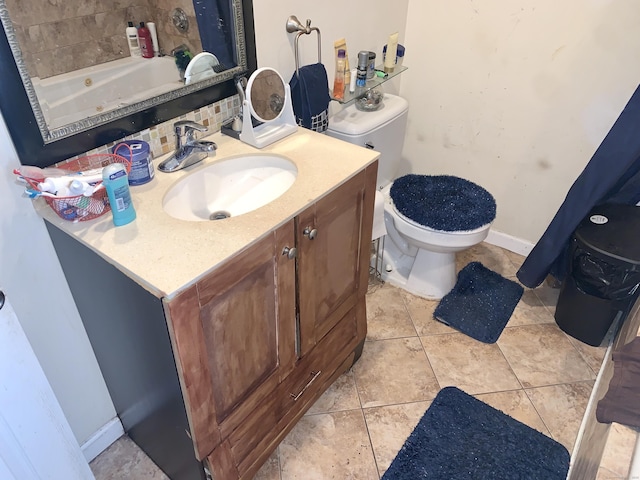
pixel 331 237
pixel 233 334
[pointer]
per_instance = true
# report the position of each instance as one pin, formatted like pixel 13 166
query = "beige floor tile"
pixel 394 371
pixel 271 468
pixel 389 427
pixel 561 408
pixel 475 367
pixel 421 312
pixel 515 258
pixel 342 395
pixel 329 445
pixel 548 296
pixel 542 355
pixel 592 355
pixel 618 451
pixel 124 459
pixel 530 311
pixel 387 315
pixel 492 257
pixel 516 404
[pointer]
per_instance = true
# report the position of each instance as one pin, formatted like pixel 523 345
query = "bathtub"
pixel 73 96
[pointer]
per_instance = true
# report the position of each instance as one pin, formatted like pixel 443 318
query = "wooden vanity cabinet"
pixel 250 362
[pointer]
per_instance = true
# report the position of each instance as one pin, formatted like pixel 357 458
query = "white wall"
pixel 516 95
pixel 31 277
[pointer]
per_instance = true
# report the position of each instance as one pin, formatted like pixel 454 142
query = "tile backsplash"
pixel 161 138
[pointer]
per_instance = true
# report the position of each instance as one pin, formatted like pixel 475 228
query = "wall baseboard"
pixel 513 244
pixel 100 441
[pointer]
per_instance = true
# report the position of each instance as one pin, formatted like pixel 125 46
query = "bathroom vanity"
pixel 215 337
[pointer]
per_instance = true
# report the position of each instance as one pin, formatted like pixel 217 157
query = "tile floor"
pixel 534 372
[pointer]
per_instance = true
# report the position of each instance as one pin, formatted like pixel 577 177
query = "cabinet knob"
pixel 310 232
pixel 291 253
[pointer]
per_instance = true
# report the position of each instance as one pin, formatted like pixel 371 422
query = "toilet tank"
pixel 382 130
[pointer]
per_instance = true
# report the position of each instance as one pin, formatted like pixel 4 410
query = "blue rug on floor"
pixel 480 303
pixel 460 437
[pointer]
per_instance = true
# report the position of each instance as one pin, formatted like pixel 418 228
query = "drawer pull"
pixel 314 376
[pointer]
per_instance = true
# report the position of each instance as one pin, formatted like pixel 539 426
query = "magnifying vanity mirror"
pixel 268 100
pixel 48 95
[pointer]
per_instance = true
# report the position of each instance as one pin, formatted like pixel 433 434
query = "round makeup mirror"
pixel 266 94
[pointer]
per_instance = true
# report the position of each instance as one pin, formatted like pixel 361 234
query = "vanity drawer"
pixel 253 441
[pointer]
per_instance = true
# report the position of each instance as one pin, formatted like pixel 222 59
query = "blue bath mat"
pixel 460 437
pixel 443 202
pixel 480 304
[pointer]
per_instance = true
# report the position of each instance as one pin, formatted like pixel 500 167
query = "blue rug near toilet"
pixel 443 202
pixel 461 437
pixel 480 304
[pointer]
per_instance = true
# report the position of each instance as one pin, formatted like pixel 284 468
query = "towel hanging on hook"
pixel 309 84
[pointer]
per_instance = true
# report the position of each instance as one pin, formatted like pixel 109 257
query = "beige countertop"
pixel 165 255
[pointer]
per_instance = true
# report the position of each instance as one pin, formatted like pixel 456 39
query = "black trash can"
pixel 604 272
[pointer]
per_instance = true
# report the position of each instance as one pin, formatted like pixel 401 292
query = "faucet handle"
pixel 189 130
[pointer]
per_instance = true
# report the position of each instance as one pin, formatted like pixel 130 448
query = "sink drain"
pixel 219 215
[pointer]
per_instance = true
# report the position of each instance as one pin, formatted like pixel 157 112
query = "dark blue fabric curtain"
pixel 216 29
pixel 611 176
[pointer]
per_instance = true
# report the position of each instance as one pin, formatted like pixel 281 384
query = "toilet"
pixel 422 235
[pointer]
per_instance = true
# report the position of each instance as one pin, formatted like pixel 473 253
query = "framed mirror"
pixel 43 139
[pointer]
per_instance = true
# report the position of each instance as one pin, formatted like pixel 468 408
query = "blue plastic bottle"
pixel 114 178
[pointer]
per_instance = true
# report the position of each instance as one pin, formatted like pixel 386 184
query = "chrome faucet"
pixel 190 151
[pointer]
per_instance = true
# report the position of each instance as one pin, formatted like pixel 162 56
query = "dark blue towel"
pixel 310 96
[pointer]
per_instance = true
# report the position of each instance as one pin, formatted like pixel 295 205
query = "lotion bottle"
pixel 338 84
pixel 116 182
pixel 146 43
pixel 154 38
pixel 132 40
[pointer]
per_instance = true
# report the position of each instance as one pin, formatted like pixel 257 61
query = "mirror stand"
pixel 269 131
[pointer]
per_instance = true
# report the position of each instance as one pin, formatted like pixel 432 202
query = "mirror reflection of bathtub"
pixel 77 95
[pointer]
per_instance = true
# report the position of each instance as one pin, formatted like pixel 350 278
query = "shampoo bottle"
pixel 146 43
pixel 132 40
pixel 116 182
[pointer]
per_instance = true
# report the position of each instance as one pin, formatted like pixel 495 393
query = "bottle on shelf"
pixel 338 84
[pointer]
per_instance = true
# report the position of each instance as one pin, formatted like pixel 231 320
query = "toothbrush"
pixel 31 193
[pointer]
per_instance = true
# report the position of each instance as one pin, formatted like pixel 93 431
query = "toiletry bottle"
pixel 154 38
pixel 363 65
pixel 390 53
pixel 338 84
pixel 116 182
pixel 146 44
pixel 132 40
pixel 352 80
pixel 371 69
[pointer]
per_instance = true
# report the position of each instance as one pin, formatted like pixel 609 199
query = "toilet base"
pixel 429 275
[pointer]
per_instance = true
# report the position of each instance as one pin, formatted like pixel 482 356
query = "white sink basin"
pixel 230 187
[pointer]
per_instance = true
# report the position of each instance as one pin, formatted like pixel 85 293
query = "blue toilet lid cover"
pixel 443 202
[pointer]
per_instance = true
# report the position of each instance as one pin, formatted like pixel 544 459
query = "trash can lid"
pixel 612 231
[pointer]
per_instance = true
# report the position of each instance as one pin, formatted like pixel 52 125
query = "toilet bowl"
pixel 416 256
pixel 420 259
